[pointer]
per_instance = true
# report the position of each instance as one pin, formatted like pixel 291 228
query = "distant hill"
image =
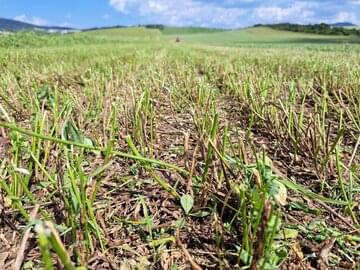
pixel 343 24
pixel 114 27
pixel 104 28
pixel 15 26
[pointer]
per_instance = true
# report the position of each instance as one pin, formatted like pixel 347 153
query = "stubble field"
pixel 140 153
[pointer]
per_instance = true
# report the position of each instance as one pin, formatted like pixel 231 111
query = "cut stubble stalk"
pixel 92 148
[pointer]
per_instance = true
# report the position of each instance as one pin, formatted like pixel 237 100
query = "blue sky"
pixel 213 13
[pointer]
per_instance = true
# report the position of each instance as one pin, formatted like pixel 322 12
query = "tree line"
pixel 322 28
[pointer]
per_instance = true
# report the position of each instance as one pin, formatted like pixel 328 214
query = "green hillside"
pixel 263 35
pixel 114 35
pixel 129 31
pixel 128 34
pixel 35 39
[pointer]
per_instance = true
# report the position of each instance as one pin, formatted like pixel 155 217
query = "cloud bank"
pixel 33 20
pixel 236 13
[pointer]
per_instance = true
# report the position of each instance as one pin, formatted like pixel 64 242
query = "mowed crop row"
pixel 167 156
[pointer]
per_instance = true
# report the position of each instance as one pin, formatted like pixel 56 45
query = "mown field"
pixel 130 151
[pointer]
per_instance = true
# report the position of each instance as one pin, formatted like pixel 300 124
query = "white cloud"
pixel 120 5
pixel 185 12
pixel 237 13
pixel 300 11
pixel 20 17
pixel 33 20
pixel 156 7
pixel 106 16
pixel 344 16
